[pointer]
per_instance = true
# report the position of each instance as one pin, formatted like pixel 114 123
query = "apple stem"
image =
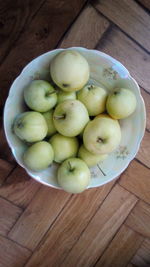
pixel 101 170
pixel 19 124
pixel 100 140
pixel 70 167
pixel 50 93
pixel 58 117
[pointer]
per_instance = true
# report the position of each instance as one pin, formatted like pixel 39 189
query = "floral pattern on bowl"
pixel 105 71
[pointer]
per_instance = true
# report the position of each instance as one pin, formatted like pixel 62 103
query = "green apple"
pixel 102 135
pixel 40 96
pixel 64 147
pixel 38 156
pixel 69 70
pixel 48 116
pixel 94 98
pixel 73 175
pixel 62 96
pixel 70 117
pixel 89 158
pixel 121 103
pixel 30 126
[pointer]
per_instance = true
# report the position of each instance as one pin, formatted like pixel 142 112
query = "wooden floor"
pixel 102 227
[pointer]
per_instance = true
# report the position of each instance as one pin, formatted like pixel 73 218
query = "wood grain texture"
pixel 121 249
pixel 12 255
pixel 129 16
pixel 142 256
pixel 68 227
pixel 139 219
pixel 38 217
pixel 9 213
pixel 145 3
pixel 136 179
pixel 14 16
pixel 101 228
pixel 5 169
pixel 137 61
pixel 146 98
pixel 19 188
pixel 87 29
pixel 144 151
pixel 41 35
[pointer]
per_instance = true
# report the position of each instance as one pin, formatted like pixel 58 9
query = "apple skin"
pixel 30 126
pixel 64 147
pixel 38 156
pixel 89 158
pixel 48 116
pixel 40 96
pixel 94 98
pixel 102 135
pixel 121 103
pixel 69 70
pixel 62 96
pixel 70 117
pixel 73 175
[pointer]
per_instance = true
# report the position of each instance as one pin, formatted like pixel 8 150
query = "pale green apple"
pixel 70 117
pixel 30 126
pixel 121 103
pixel 62 96
pixel 89 158
pixel 64 147
pixel 69 70
pixel 73 175
pixel 94 98
pixel 40 96
pixel 48 116
pixel 38 156
pixel 102 135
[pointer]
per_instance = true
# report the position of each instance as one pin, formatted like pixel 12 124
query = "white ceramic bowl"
pixel 104 70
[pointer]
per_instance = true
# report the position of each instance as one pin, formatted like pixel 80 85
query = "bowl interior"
pixel 105 71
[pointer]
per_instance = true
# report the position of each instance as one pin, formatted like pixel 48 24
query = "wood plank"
pixel 68 227
pixel 101 229
pixel 5 151
pixel 5 169
pixel 87 29
pixel 12 254
pixel 19 188
pixel 42 34
pixel 136 180
pixel 135 59
pixel 121 249
pixel 139 219
pixel 145 3
pixel 144 151
pixel 129 16
pixel 9 213
pixel 146 98
pixel 44 208
pixel 142 256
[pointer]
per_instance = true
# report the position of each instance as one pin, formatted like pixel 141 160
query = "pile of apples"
pixel 66 122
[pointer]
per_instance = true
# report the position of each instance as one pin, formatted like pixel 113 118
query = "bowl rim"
pixel 110 58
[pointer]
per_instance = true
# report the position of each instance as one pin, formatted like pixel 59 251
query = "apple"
pixel 40 96
pixel 64 147
pixel 30 126
pixel 73 175
pixel 94 98
pixel 69 70
pixel 38 156
pixel 62 96
pixel 48 116
pixel 70 117
pixel 102 135
pixel 89 158
pixel 121 103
